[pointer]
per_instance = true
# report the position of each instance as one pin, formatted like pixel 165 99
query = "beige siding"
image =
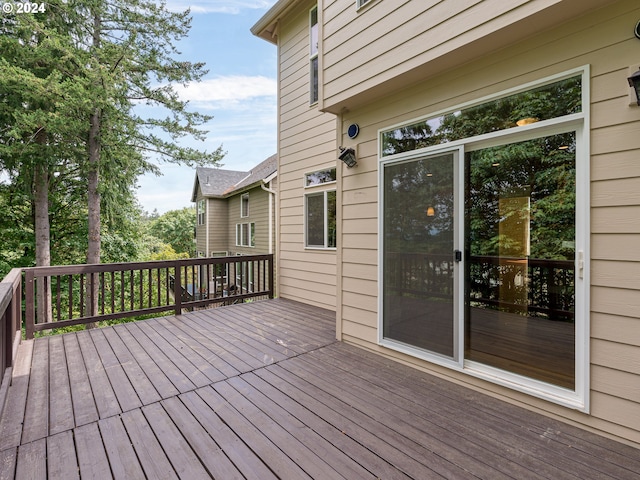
pixel 389 44
pixel 602 39
pixel 216 221
pixel 217 217
pixel 258 214
pixel 307 141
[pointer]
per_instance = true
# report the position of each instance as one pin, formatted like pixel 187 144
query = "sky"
pixel 239 91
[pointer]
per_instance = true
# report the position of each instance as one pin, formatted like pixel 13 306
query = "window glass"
pixel 313 55
pixel 331 219
pixel 246 234
pixel 314 80
pixel 320 177
pixel 244 205
pixel 201 212
pixel 321 219
pixel 549 101
pixel 315 220
pixel 313 33
pixel 521 236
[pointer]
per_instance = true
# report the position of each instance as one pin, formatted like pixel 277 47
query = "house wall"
pixel 216 212
pixel 307 140
pixel 604 40
pixel 385 45
pixel 258 214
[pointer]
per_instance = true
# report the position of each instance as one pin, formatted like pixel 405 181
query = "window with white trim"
pixel 245 234
pixel 313 55
pixel 244 205
pixel 201 212
pixel 320 177
pixel 360 3
pixel 320 219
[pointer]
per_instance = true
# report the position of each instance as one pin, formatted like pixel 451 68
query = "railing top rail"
pixel 127 266
pixel 7 285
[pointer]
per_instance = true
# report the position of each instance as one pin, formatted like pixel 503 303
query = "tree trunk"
pixel 93 194
pixel 93 201
pixel 42 234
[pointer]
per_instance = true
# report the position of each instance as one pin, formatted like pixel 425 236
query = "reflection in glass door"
pixel 520 250
pixel 418 245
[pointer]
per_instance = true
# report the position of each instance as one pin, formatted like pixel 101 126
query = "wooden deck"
pixel 263 391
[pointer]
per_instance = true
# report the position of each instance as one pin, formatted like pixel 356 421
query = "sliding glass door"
pixel 484 239
pixel 520 240
pixel 418 238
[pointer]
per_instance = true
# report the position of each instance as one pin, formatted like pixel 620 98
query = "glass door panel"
pixel 418 246
pixel 520 253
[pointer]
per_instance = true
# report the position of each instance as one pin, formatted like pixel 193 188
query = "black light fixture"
pixel 348 156
pixel 634 82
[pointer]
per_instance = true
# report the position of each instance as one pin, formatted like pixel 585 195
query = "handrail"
pixel 10 326
pixel 82 294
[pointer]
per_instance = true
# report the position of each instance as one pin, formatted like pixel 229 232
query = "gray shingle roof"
pixel 216 182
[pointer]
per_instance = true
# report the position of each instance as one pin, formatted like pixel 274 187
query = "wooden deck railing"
pixel 63 296
pixel 10 325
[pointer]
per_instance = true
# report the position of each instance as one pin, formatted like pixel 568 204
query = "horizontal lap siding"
pixel 605 41
pixel 307 142
pixel 364 49
pixel 217 215
pixel 258 214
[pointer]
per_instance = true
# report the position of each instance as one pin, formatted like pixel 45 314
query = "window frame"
pixel 244 205
pixel 578 398
pixel 202 211
pixel 322 183
pixel 250 229
pixel 314 62
pixel 326 226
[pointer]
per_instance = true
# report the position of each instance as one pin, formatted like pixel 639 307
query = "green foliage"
pixel 167 252
pixel 80 60
pixel 177 228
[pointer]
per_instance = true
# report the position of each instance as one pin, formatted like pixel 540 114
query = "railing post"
pixel 29 304
pixel 177 288
pixel 271 276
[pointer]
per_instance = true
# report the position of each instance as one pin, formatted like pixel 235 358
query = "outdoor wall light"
pixel 430 212
pixel 348 156
pixel 634 82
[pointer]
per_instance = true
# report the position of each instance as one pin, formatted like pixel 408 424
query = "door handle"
pixel 458 255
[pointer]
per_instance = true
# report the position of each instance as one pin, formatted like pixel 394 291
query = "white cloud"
pixel 228 92
pixel 218 6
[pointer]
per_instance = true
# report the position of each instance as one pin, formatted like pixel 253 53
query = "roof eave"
pixel 267 27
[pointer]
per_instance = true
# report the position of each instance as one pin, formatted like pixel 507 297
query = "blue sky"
pixel 239 91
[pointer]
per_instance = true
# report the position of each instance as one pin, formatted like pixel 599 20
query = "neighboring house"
pixel 235 210
pixel 489 231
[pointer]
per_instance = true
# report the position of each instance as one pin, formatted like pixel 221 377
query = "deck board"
pixel 264 391
pixel 60 404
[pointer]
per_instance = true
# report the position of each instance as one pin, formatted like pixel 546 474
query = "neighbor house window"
pixel 313 55
pixel 360 3
pixel 245 234
pixel 244 205
pixel 320 216
pixel 201 212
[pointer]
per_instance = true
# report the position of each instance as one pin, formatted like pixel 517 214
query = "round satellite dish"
pixel 637 30
pixel 353 131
